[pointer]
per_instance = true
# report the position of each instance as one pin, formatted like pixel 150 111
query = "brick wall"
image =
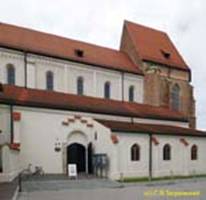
pixel 159 80
pixel 128 47
pixel 157 92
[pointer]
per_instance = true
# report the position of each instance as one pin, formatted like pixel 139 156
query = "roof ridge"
pixel 63 47
pixel 146 27
pixel 58 36
pixel 148 41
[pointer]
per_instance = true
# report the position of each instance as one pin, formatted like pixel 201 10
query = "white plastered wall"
pixel 138 83
pixel 66 74
pixel 17 60
pixel 180 163
pixel 5 119
pixel 11 164
pixel 41 130
pixel 10 158
pixel 127 167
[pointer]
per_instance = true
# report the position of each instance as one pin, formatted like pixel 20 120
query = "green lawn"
pixel 145 179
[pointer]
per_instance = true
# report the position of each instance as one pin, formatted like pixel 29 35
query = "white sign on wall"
pixel 72 170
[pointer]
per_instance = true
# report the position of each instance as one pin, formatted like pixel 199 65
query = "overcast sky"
pixel 100 22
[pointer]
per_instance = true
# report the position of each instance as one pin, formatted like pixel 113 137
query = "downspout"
pixel 132 118
pixel 25 69
pixel 169 73
pixel 122 86
pixel 11 125
pixel 150 156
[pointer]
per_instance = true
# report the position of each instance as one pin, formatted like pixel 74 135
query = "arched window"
pixel 10 74
pixel 131 93
pixel 135 152
pixel 175 97
pixel 107 90
pixel 1 161
pixel 194 152
pixel 49 80
pixel 166 152
pixel 80 86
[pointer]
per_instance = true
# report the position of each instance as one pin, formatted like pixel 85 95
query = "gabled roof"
pixel 56 100
pixel 59 47
pixel 151 128
pixel 155 46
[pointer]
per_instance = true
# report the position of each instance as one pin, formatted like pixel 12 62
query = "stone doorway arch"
pixel 78 149
pixel 76 154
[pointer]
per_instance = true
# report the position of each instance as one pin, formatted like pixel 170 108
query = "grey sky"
pixel 100 22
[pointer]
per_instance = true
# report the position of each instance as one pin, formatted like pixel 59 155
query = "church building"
pixel 129 112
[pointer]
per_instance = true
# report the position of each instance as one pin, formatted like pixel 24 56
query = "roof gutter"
pixel 25 69
pixel 165 133
pixel 150 157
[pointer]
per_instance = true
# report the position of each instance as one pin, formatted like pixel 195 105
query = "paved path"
pixel 7 190
pixel 31 186
pixel 151 191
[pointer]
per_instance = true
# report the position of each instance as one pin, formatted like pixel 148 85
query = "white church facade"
pixel 63 101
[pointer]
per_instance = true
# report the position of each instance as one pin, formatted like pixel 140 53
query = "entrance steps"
pixel 62 182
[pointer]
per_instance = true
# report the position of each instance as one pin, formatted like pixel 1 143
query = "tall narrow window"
pixel 166 152
pixel 135 152
pixel 107 90
pixel 80 86
pixel 175 97
pixel 194 152
pixel 10 74
pixel 1 161
pixel 131 93
pixel 49 80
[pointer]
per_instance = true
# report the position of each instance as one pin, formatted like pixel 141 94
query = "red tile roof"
pixel 150 128
pixel 51 45
pixel 151 45
pixel 56 100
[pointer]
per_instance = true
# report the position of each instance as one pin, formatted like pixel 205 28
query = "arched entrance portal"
pixel 76 154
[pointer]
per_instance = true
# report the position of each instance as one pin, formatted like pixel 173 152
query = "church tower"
pixel 166 75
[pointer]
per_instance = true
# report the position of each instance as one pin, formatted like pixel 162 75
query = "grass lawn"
pixel 145 179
